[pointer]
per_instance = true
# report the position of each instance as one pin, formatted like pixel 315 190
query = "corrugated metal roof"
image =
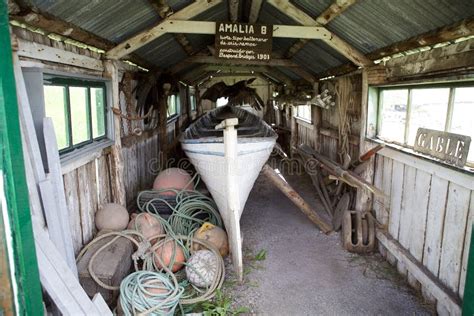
pixel 110 19
pixel 164 52
pixel 313 7
pixel 288 73
pixel 316 56
pixel 369 25
pixel 216 13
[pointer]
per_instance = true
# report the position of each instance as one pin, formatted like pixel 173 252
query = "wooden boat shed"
pixel 389 67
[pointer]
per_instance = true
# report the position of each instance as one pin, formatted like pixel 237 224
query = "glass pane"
pixel 79 114
pixel 463 116
pixel 429 108
pixel 393 114
pixel 193 102
pixel 304 112
pixel 98 112
pixel 55 108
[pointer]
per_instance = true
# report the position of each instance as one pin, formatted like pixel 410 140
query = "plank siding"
pixel 453 237
pixel 435 223
pixel 431 217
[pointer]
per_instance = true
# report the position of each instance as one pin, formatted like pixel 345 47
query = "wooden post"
pixel 284 187
pixel 163 138
pixel 118 185
pixel 294 130
pixel 232 192
pixel 364 198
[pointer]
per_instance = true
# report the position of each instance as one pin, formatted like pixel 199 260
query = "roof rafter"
pixel 333 40
pixel 141 39
pixel 51 24
pixel 255 8
pixel 463 28
pixel 273 62
pixel 233 10
pixel 163 9
pixel 324 18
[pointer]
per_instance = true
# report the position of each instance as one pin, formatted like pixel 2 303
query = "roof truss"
pixel 324 18
pixel 332 39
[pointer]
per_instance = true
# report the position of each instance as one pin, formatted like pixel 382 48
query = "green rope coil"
pixel 149 293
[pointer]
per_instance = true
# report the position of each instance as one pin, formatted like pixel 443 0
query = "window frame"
pixel 375 115
pixel 67 82
pixel 304 119
pixel 177 101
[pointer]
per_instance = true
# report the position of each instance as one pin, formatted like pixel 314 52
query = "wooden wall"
pixel 430 206
pixel 89 182
pixel 430 212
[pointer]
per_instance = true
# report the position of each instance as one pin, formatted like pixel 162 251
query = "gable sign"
pixel 448 147
pixel 237 41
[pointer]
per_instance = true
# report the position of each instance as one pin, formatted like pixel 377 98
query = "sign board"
pixel 448 147
pixel 237 41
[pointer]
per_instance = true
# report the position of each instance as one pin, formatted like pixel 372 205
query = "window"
pixel 304 112
pixel 402 110
pixel 78 110
pixel 192 102
pixel 173 105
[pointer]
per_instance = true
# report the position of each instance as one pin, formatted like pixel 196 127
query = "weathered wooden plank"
pixel 378 181
pixel 467 243
pixel 431 167
pixel 387 187
pixel 435 223
pixel 52 54
pixel 103 171
pixel 72 200
pixel 396 198
pixel 419 210
pixel 406 213
pixel 444 296
pixel 453 237
pixel 55 174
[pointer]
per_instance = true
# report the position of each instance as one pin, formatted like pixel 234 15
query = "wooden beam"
pixel 56 55
pixel 447 33
pixel 324 18
pixel 130 45
pixel 333 40
pixel 334 10
pixel 185 44
pixel 214 60
pixel 54 25
pixel 297 69
pixel 163 9
pixel 207 27
pixel 255 8
pixel 233 10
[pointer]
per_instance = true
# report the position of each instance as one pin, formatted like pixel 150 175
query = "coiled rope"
pixel 148 292
pixel 145 253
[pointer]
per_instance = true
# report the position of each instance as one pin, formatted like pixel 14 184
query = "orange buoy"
pixel 173 178
pixel 169 252
pixel 147 224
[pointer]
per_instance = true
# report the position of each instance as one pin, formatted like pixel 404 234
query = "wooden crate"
pixel 111 266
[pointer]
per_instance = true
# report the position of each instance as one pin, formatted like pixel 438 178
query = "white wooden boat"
pixel 229 162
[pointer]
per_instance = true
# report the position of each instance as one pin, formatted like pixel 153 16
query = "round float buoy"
pixel 111 216
pixel 147 224
pixel 167 252
pixel 201 268
pixel 173 178
pixel 215 235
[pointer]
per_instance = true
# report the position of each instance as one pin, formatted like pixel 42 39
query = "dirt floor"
pixel 293 269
